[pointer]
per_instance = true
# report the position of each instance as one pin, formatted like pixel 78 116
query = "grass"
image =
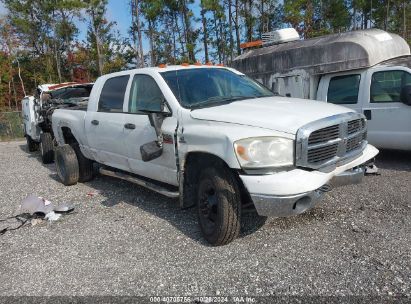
pixel 11 126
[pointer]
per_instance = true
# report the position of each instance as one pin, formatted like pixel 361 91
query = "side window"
pixel 386 85
pixel 344 89
pixel 144 94
pixel 112 94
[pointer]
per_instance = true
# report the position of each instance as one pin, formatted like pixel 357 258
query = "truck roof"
pixel 325 54
pixel 167 68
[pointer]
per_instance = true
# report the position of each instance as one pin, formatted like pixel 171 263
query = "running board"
pixel 159 189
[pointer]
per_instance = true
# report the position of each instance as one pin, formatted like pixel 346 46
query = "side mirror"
pixel 153 149
pixel 405 96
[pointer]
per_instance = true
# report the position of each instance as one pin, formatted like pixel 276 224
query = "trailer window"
pixel 112 94
pixel 386 86
pixel 344 89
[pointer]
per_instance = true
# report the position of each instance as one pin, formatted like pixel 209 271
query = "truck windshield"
pixel 206 87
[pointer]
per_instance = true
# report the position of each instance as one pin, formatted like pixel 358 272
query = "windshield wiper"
pixel 216 100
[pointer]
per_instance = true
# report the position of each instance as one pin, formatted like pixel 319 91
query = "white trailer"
pixel 30 126
pixel 368 71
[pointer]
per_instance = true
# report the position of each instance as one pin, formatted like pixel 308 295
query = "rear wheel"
pixel 31 144
pixel 46 148
pixel 219 205
pixel 67 165
pixel 85 165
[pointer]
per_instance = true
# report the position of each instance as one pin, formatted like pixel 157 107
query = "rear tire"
pixel 219 205
pixel 85 165
pixel 46 148
pixel 67 165
pixel 31 144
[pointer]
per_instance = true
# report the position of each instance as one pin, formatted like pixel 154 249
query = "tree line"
pixel 39 39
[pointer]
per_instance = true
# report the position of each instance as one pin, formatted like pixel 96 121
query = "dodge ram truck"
pixel 213 138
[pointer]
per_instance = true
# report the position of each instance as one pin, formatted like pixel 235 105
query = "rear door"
pixel 389 120
pixel 105 126
pixel 145 90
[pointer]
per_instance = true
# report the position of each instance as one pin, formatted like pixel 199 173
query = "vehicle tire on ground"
pixel 31 144
pixel 66 165
pixel 85 165
pixel 219 205
pixel 46 148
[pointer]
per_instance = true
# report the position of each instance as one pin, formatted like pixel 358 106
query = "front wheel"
pixel 219 205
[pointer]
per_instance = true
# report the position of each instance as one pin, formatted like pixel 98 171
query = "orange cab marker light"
pixel 251 44
pixel 162 66
pixel 220 64
pixel 209 63
pixel 185 64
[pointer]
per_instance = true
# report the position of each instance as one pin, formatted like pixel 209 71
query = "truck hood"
pixel 281 114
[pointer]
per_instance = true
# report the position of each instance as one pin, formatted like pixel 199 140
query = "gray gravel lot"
pixel 130 241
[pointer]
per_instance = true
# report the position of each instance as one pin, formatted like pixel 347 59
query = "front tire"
pixel 219 205
pixel 67 165
pixel 46 148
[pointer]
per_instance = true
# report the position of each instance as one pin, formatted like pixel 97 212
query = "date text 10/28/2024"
pixel 189 299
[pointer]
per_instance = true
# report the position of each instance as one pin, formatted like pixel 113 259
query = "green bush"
pixel 11 125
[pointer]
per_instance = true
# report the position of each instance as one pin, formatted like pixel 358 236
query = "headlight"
pixel 262 152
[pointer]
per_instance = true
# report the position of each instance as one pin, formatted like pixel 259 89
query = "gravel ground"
pixel 130 241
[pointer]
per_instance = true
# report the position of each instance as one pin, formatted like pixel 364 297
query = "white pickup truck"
pixel 215 138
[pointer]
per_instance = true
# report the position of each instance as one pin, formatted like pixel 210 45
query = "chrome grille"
pixel 355 125
pixel 331 140
pixel 322 153
pixel 324 134
pixel 355 142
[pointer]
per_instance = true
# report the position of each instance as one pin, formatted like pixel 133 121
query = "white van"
pixel 368 71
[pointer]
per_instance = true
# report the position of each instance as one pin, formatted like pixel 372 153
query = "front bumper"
pixel 293 192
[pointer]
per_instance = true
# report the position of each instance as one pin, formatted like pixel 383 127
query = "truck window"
pixel 144 94
pixel 112 94
pixel 386 85
pixel 212 86
pixel 344 89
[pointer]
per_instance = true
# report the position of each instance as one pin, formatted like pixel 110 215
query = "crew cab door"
pixel 389 119
pixel 145 91
pixel 105 126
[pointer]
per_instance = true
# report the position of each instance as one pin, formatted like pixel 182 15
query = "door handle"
pixel 130 126
pixel 367 114
pixel 95 122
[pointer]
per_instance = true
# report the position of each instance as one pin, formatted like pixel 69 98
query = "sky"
pixel 117 11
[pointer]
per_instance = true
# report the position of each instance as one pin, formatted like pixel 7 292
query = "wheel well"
pixel 68 136
pixel 194 162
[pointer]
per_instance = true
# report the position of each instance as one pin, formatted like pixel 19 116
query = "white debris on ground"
pixel 371 170
pixel 34 210
pixel 52 216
